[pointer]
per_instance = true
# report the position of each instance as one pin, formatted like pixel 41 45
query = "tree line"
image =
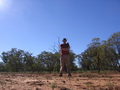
pixel 99 55
pixel 17 60
pixel 102 54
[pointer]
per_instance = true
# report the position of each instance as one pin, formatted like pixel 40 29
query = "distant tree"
pixel 79 60
pixel 18 60
pixel 48 60
pixel 85 59
pixel 114 45
pixel 102 55
pixel 2 67
pixel 57 60
pixel 96 56
pixel 95 53
pixel 72 58
pixel 28 61
pixel 38 65
pixel 13 60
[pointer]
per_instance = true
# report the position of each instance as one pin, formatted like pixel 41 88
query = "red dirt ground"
pixel 79 81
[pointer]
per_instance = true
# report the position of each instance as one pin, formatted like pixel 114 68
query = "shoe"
pixel 69 75
pixel 60 75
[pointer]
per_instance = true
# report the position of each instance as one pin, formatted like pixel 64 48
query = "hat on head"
pixel 64 39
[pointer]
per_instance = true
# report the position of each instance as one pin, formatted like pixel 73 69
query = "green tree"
pixel 114 44
pixel 102 55
pixel 38 65
pixel 57 60
pixel 18 60
pixel 79 60
pixel 13 60
pixel 95 57
pixel 2 67
pixel 72 59
pixel 28 61
pixel 48 60
pixel 94 47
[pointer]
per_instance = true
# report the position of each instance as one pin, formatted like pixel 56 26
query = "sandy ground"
pixel 79 81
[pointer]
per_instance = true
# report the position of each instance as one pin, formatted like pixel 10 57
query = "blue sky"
pixel 35 25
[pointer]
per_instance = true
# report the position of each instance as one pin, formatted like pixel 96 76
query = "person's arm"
pixel 65 49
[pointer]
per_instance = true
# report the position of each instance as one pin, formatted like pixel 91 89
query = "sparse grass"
pixel 109 85
pixel 80 81
pixel 53 85
pixel 90 86
pixel 2 83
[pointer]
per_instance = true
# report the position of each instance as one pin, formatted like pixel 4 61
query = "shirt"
pixel 64 52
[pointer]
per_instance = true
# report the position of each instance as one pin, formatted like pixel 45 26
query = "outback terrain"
pixel 78 81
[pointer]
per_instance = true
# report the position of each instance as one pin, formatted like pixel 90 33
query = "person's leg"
pixel 68 65
pixel 61 65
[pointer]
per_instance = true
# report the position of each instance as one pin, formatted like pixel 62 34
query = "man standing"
pixel 64 59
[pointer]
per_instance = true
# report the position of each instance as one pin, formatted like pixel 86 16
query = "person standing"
pixel 64 59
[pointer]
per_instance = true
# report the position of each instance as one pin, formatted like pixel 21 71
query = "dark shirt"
pixel 64 52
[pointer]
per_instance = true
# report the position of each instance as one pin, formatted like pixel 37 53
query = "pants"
pixel 64 59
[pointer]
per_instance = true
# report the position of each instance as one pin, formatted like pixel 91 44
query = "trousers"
pixel 64 60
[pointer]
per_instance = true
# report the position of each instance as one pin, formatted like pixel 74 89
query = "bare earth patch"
pixel 81 81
